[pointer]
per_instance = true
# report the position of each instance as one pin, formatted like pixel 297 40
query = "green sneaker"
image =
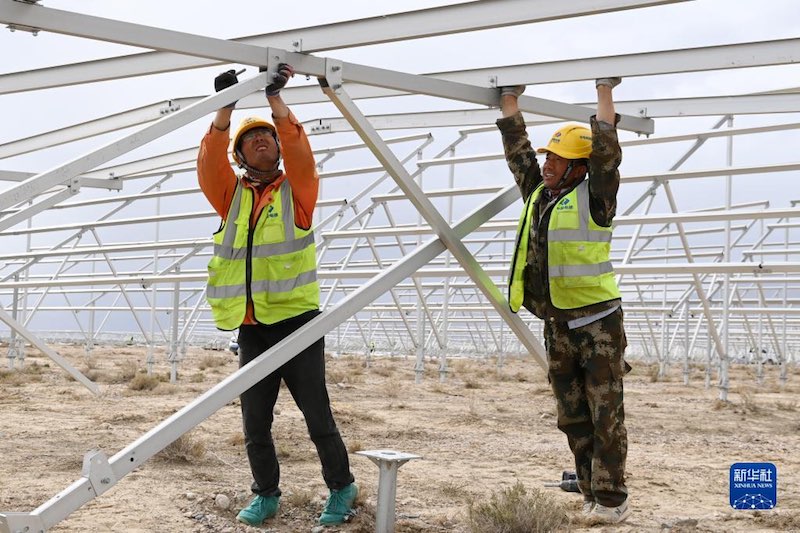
pixel 339 505
pixel 261 508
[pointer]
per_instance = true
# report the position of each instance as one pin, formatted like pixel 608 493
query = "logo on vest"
pixel 564 204
pixel 271 212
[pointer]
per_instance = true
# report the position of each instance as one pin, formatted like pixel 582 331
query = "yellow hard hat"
pixel 570 142
pixel 246 125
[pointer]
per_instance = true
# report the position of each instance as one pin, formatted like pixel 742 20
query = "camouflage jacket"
pixel 603 185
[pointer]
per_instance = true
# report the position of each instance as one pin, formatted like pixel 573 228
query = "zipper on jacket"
pixel 248 264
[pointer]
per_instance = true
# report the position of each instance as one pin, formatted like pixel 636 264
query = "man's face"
pixel 259 149
pixel 554 168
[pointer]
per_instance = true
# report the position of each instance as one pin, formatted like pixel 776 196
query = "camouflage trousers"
pixel 586 368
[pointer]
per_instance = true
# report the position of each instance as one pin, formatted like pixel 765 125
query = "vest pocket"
pixel 269 233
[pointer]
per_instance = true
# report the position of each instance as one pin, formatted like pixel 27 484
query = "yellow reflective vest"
pixel 274 265
pixel 578 253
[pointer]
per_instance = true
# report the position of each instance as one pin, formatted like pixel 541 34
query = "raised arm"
pixel 214 173
pixel 520 155
pixel 606 155
pixel 298 159
pixel 605 100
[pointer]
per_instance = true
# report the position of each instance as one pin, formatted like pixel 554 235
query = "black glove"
pixel 279 79
pixel 225 80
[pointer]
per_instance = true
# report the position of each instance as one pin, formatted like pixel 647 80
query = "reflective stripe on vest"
pixel 578 253
pixel 282 261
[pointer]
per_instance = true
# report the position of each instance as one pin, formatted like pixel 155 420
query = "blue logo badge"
pixel 564 204
pixel 753 486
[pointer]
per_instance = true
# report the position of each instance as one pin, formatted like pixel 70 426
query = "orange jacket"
pixel 218 180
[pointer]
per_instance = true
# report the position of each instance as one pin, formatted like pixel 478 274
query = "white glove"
pixel 608 82
pixel 513 90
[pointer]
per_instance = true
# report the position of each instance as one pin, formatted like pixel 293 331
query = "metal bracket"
pixel 333 74
pixel 170 108
pixel 322 127
pixel 98 471
pixel 275 56
pixel 21 523
pixel 74 185
pixel 493 82
pixel 297 45
pixel 30 29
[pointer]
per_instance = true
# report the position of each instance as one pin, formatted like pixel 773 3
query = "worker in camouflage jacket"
pixel 562 273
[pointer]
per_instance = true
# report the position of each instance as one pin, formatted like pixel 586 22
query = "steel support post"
pixel 91 331
pixel 388 463
pixel 12 340
pixel 782 355
pixel 760 350
pixel 709 351
pixel 133 455
pixel 663 361
pixel 451 183
pixel 724 361
pixel 151 345
pixel 686 343
pixel 173 356
pixel 419 365
pixel 387 158
pixel 701 294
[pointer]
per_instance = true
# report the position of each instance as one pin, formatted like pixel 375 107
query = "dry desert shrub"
pixel 392 388
pixel 354 446
pixel 384 371
pixel 454 491
pixel 471 383
pixel 211 361
pixel 346 374
pixel 522 377
pixel 778 521
pixel 347 414
pixel 127 371
pixel 438 388
pixel 719 405
pixel 236 439
pixel 786 406
pixel 185 449
pixel 300 499
pixel 749 402
pixel 28 374
pixel 143 382
pixel 517 510
pixel 473 415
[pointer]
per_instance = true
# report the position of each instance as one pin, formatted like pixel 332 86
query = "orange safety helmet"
pixel 246 125
pixel 570 142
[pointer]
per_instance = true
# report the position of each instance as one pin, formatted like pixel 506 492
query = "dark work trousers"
pixel 304 376
pixel 586 367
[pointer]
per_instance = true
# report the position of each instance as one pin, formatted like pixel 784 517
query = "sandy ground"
pixel 479 432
